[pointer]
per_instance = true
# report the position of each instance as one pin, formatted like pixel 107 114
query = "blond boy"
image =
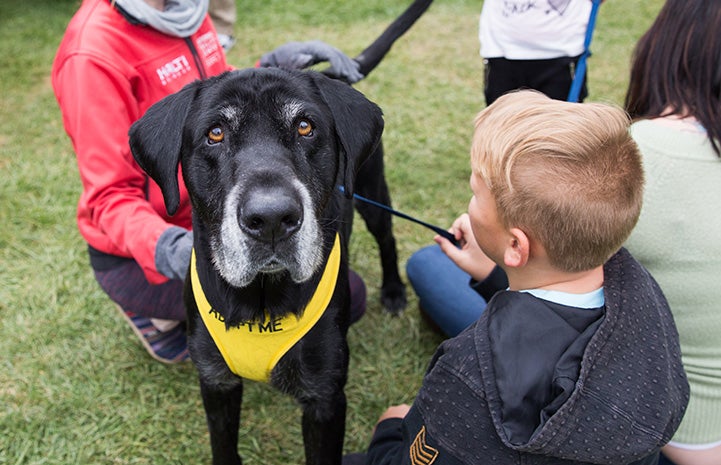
pixel 577 361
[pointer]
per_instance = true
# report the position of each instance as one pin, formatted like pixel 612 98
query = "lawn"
pixel 75 385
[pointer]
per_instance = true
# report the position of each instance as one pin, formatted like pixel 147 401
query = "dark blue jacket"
pixel 533 382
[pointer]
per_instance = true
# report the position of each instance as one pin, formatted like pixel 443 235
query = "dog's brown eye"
pixel 305 129
pixel 216 135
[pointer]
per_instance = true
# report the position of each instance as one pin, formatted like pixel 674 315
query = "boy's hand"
pixel 469 257
pixel 394 411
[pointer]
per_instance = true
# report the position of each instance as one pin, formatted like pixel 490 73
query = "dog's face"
pixel 262 153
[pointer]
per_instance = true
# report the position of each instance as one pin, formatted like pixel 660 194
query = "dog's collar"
pixel 252 349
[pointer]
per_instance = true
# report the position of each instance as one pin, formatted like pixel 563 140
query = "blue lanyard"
pixel 575 91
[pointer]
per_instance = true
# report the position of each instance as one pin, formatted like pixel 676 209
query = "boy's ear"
pixel 518 249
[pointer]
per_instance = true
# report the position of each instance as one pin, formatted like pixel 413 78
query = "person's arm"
pixel 496 281
pixel 487 277
pixel 387 443
pixel 98 107
pixel 469 257
pixel 391 440
pixel 300 55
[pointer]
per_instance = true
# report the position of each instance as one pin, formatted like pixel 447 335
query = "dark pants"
pixel 552 77
pixel 354 459
pixel 127 286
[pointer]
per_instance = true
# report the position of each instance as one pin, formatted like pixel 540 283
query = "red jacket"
pixel 106 74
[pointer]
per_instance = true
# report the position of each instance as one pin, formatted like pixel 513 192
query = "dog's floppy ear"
pixel 358 124
pixel 156 141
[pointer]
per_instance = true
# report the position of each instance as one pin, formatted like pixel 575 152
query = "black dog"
pixel 263 152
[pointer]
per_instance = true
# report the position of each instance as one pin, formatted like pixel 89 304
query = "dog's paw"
pixel 393 298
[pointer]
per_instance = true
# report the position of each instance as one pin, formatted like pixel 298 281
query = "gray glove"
pixel 299 55
pixel 172 252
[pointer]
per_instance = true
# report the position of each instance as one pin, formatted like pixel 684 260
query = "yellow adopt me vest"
pixel 251 349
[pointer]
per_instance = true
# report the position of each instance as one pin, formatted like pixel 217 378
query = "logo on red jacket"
pixel 173 69
pixel 209 48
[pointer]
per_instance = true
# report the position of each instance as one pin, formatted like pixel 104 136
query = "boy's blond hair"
pixel 567 174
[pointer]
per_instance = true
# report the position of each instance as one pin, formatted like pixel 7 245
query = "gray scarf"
pixel 180 18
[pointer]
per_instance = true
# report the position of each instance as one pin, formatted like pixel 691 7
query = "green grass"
pixel 75 385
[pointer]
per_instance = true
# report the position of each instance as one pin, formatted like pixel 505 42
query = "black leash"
pixel 374 53
pixel 436 229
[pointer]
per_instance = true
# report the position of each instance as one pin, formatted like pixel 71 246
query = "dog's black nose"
pixel 270 216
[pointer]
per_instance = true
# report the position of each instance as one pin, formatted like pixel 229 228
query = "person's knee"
pixel 357 296
pixel 421 262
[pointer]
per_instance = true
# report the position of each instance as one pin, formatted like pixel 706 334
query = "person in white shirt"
pixel 533 45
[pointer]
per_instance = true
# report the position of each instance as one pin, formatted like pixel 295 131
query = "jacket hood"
pixel 536 349
pixel 628 399
pixel 630 393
